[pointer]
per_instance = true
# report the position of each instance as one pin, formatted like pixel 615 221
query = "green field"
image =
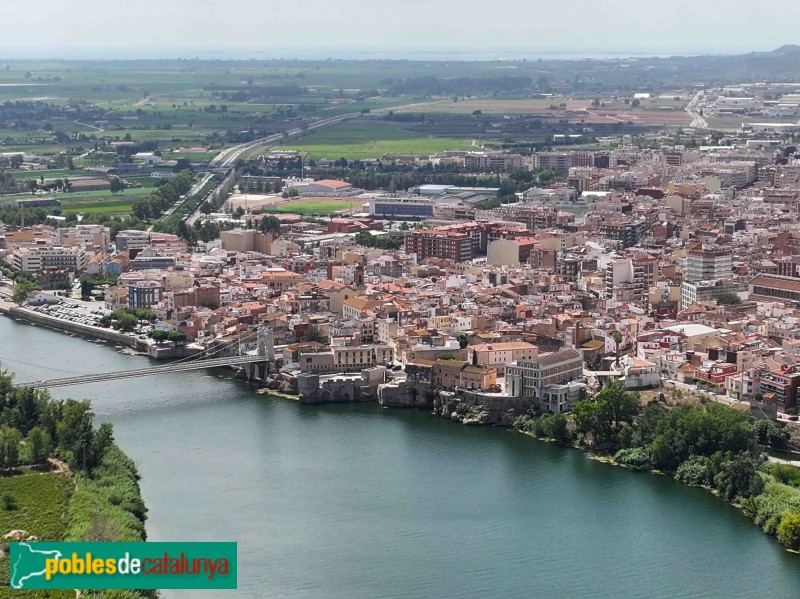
pixel 43 503
pixel 371 140
pixel 113 206
pixel 309 207
pixel 48 174
pixel 487 106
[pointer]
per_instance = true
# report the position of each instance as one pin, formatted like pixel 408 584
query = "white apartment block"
pixel 34 259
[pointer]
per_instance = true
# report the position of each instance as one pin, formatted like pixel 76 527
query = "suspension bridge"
pixel 254 365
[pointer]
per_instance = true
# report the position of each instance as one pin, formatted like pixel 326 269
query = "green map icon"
pixel 28 563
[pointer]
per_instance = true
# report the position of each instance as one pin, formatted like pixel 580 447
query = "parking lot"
pixel 71 312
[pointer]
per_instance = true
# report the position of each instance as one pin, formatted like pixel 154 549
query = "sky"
pixel 177 28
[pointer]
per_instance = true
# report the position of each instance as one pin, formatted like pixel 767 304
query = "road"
pixel 693 108
pixel 195 214
pixel 230 155
pixel 195 189
pixel 98 129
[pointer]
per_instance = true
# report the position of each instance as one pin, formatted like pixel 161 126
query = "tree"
pixel 729 299
pixel 38 445
pixel 86 287
pixel 737 477
pixel 621 405
pixel 771 434
pixel 617 337
pixel 10 439
pixel 463 342
pixel 555 427
pixel 126 322
pixel 789 531
pixel 176 337
pixel 22 291
pixel 159 336
pixel 117 185
pixel 78 442
pixel 635 103
pixel 269 224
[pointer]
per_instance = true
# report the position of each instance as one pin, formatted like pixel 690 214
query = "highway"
pixel 693 109
pixel 195 214
pixel 195 189
pixel 229 156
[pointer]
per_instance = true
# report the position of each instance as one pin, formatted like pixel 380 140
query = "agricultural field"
pixel 488 106
pixel 112 205
pixel 70 106
pixel 371 140
pixel 41 503
pixel 47 174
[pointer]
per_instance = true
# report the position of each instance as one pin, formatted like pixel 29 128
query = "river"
pixel 352 501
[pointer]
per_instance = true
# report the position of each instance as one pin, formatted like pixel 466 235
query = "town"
pixel 673 267
pixel 610 267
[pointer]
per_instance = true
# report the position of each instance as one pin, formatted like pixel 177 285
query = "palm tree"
pixel 617 336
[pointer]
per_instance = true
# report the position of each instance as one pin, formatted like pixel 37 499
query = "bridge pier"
pixel 255 372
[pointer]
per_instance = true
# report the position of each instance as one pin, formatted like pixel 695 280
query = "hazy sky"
pixel 690 25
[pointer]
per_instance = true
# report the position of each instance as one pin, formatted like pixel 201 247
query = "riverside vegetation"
pixel 711 445
pixel 63 479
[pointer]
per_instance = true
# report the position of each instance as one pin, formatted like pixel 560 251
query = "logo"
pixel 123 565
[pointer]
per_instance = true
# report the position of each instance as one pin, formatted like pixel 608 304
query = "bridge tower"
pixel 266 343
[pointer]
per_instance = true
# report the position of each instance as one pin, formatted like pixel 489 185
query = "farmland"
pixel 372 140
pixel 70 106
pixel 42 501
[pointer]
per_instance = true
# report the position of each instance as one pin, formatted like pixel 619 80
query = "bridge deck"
pixel 198 364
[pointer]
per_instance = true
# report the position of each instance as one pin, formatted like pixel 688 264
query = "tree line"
pixel 154 205
pixel 709 445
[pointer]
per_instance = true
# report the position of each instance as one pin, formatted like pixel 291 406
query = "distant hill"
pixel 787 49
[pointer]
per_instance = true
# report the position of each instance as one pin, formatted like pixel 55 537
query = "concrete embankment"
pixel 72 327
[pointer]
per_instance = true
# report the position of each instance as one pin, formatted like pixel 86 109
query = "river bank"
pixel 772 493
pixel 342 501
pixel 64 478
pixel 756 499
pixel 58 324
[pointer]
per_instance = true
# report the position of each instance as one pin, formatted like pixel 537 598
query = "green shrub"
pixel 789 531
pixel 637 459
pixel 694 471
pixel 108 506
pixel 9 503
pixel 785 473
pixel 768 508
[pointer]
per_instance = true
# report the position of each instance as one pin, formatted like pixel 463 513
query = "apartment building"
pixel 347 359
pixel 457 243
pixel 548 379
pixel 497 355
pixel 34 259
pixel 628 280
pixel 707 264
pixel 702 291
pixel 84 235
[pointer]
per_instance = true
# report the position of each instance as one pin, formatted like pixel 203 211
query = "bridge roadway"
pixel 197 364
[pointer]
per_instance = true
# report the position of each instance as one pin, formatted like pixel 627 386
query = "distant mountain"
pixel 786 49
